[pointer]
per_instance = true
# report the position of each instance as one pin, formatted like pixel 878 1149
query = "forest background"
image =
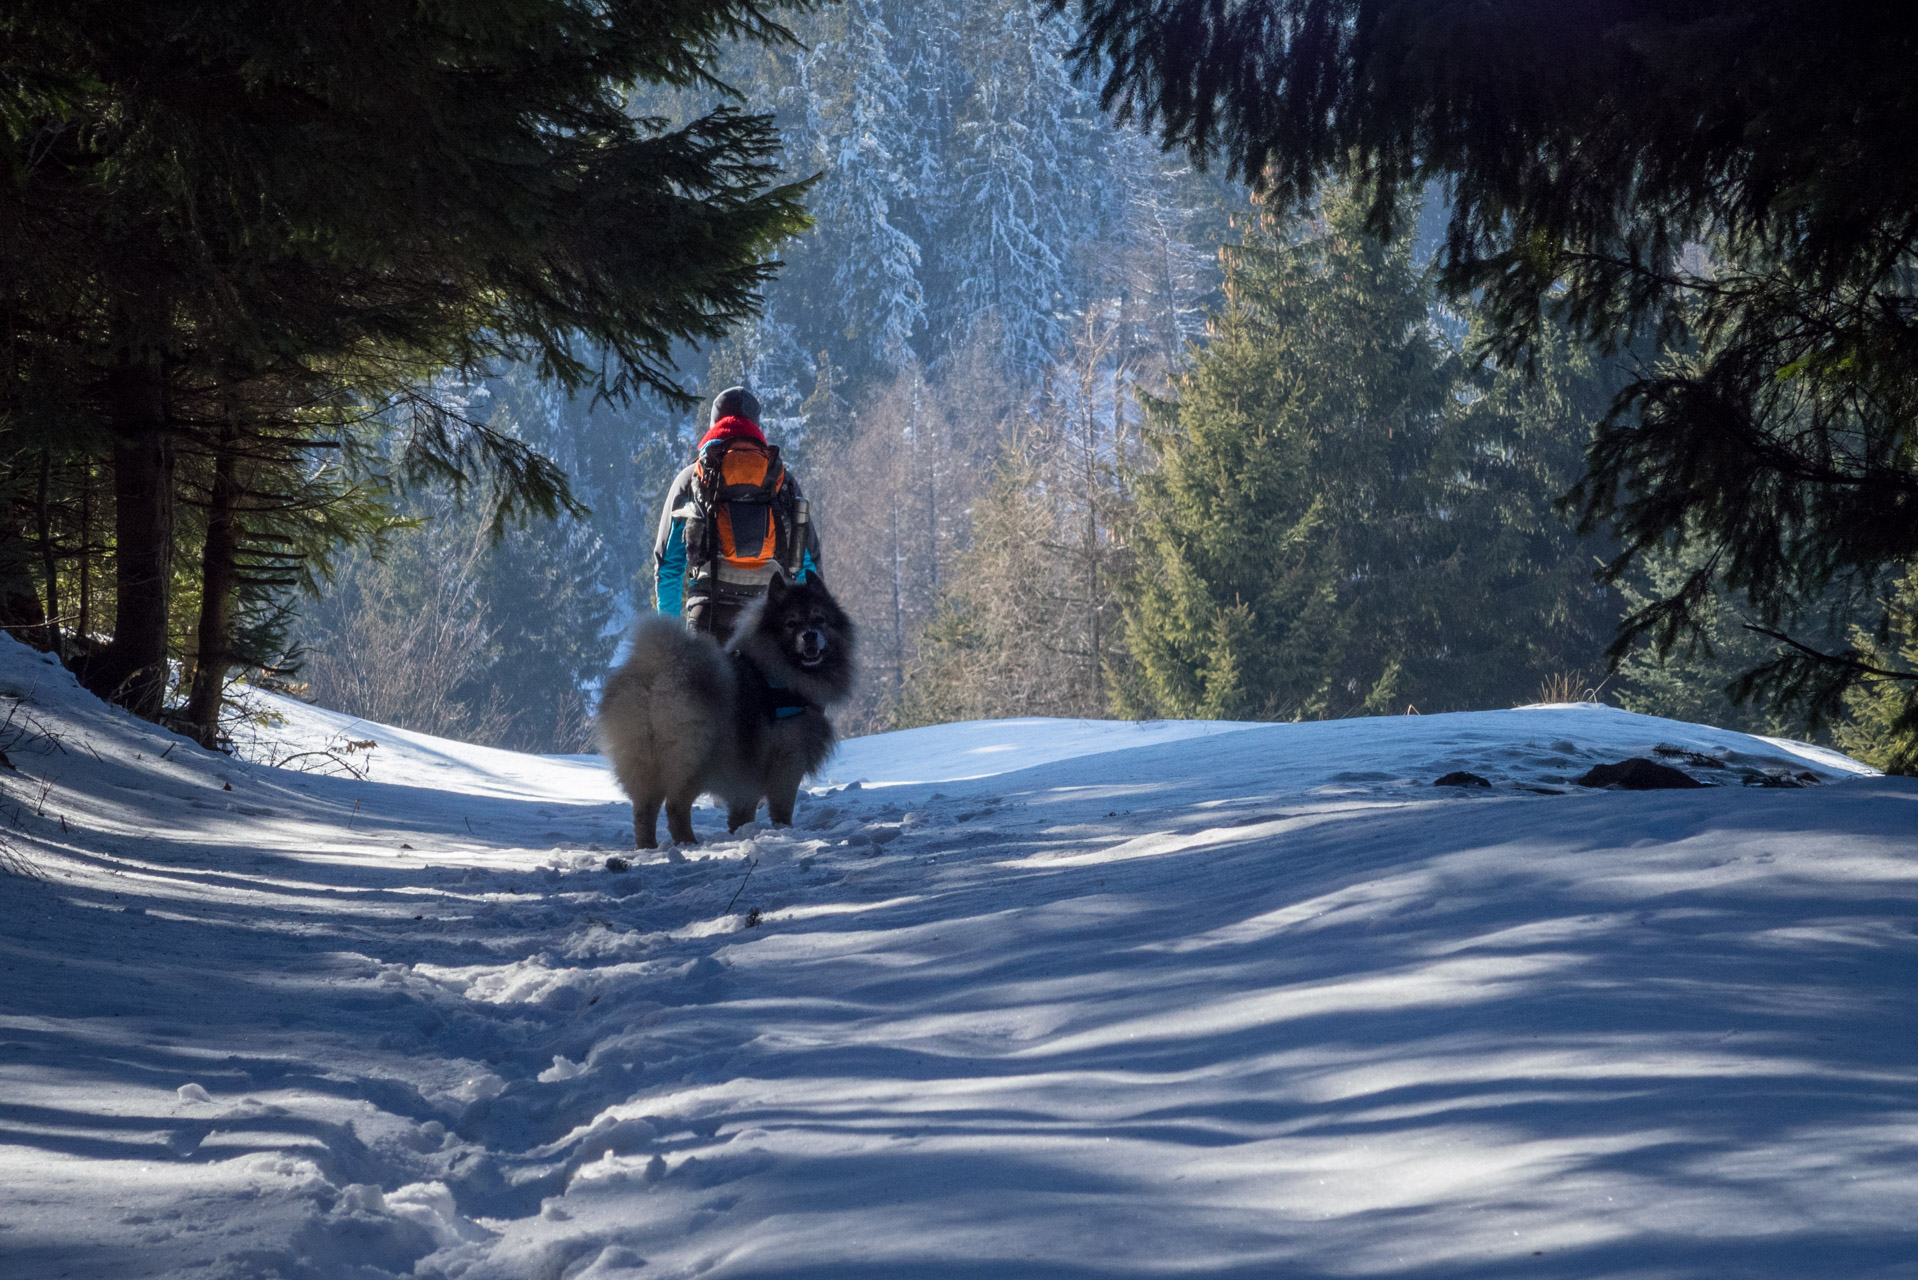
pixel 1086 432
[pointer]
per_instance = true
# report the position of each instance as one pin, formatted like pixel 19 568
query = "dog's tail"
pixel 664 707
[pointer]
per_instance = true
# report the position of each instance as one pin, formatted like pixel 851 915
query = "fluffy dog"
pixel 682 716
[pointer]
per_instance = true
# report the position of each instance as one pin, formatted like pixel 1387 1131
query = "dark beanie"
pixel 735 402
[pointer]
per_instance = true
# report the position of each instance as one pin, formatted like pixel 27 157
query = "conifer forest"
pixel 1273 360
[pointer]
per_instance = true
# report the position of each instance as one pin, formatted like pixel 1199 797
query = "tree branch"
pixel 1862 668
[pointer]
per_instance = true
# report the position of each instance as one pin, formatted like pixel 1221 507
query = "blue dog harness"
pixel 781 699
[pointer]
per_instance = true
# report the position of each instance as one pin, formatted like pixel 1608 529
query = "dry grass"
pixel 1570 686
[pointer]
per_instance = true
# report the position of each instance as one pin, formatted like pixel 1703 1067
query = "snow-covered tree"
pixel 1161 267
pixel 857 126
pixel 1022 170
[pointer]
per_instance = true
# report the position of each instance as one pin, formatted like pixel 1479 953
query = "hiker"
pixel 732 521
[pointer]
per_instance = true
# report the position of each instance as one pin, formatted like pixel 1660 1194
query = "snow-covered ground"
pixel 1033 999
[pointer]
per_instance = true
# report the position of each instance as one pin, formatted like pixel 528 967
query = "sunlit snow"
pixel 1026 998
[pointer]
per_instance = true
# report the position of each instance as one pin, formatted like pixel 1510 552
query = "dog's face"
pixel 808 624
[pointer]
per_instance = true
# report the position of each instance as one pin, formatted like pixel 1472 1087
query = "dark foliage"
pixel 1733 177
pixel 239 220
pixel 1342 516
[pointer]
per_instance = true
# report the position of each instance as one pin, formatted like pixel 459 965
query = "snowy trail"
pixel 1038 999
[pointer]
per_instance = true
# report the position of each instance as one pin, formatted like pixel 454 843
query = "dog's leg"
pixel 679 820
pixel 646 823
pixel 781 795
pixel 738 815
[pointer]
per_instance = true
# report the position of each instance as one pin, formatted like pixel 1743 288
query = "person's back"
pixel 733 520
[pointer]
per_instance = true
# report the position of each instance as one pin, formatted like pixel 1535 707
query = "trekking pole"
pixel 802 517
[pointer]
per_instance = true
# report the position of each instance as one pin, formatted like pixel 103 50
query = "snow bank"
pixel 1023 998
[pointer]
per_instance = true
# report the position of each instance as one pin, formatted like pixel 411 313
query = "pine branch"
pixel 1848 663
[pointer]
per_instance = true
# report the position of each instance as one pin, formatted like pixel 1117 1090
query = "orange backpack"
pixel 746 504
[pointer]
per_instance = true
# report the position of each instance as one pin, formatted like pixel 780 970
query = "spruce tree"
pixel 1344 515
pixel 1522 607
pixel 239 192
pixel 1275 534
pixel 1732 177
pixel 271 515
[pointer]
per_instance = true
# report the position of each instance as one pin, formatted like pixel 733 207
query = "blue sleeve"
pixel 806 565
pixel 669 588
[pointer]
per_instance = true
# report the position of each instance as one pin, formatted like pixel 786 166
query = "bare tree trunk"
pixel 931 465
pixel 49 561
pixel 1089 535
pixel 133 670
pixel 1094 677
pixel 219 576
pixel 85 633
pixel 898 606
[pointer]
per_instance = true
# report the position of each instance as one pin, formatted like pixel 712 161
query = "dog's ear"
pixel 776 589
pixel 816 580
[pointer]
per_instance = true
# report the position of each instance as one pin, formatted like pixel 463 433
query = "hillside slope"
pixel 1031 999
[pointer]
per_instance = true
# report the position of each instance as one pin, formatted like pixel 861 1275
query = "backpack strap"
pixel 705 468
